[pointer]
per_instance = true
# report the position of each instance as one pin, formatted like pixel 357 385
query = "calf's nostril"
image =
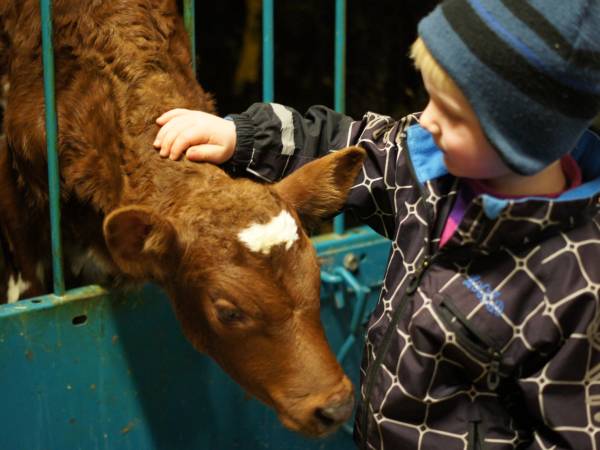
pixel 324 417
pixel 334 414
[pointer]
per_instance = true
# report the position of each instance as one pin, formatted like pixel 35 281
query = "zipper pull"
pixel 493 376
pixel 415 278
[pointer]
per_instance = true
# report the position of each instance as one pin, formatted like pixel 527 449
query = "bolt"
pixel 351 262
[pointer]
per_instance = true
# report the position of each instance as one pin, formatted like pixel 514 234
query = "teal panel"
pixel 106 370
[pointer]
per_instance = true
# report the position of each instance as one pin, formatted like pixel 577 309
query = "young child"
pixel 487 334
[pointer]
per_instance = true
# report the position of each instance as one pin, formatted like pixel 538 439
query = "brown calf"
pixel 240 271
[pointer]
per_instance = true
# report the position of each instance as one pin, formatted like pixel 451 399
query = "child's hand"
pixel 202 136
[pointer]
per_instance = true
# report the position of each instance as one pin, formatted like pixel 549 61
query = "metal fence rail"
pixel 52 146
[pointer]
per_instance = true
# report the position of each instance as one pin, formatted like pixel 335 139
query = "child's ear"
pixel 319 189
pixel 142 243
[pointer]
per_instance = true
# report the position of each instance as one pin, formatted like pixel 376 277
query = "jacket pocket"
pixel 475 343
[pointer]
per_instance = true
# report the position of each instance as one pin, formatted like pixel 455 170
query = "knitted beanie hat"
pixel 529 68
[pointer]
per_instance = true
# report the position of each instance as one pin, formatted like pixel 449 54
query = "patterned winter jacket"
pixel 491 342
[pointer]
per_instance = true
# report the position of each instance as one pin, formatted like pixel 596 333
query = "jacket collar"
pixel 428 164
pixel 490 221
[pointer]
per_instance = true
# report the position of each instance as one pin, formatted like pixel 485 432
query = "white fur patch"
pixel 282 229
pixel 16 288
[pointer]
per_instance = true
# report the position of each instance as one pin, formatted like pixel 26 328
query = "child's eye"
pixel 453 119
pixel 451 115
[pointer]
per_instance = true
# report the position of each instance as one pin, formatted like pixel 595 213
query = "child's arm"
pixel 274 140
pixel 269 141
pixel 267 130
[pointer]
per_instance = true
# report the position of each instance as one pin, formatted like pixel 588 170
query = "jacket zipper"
pixel 411 288
pixel 474 436
pixel 492 355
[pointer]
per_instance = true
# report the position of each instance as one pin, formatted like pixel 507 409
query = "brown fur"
pixel 129 215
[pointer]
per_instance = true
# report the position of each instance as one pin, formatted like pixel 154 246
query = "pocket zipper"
pixel 482 350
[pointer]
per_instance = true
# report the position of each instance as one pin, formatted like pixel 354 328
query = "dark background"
pixel 380 76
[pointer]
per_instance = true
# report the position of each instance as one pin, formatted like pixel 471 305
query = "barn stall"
pixel 95 368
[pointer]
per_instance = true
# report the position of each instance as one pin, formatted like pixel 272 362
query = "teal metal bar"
pixel 339 224
pixel 267 56
pixel 340 56
pixel 189 18
pixel 340 79
pixel 52 146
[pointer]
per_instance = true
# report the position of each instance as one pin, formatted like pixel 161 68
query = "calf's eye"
pixel 228 313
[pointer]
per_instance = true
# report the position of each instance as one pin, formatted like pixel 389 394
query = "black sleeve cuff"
pixel 244 130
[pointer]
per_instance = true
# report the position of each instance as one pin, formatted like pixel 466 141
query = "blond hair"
pixel 430 68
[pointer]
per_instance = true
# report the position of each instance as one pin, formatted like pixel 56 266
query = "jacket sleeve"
pixel 274 140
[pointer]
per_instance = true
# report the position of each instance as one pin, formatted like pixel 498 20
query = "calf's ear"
pixel 143 244
pixel 319 189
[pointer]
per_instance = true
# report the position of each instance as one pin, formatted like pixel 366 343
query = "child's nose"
pixel 427 120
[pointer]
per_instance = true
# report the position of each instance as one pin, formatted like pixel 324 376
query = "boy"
pixel 486 332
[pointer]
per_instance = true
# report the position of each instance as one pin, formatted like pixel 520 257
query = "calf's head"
pixel 244 281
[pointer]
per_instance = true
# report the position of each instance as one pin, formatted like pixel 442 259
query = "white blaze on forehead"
pixel 282 229
pixel 16 288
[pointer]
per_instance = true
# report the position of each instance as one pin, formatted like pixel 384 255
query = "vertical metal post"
pixel 267 56
pixel 340 56
pixel 189 18
pixel 340 79
pixel 52 146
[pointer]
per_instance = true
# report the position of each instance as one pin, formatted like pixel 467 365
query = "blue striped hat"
pixel 529 68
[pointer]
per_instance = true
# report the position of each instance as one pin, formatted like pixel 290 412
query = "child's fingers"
pixel 215 154
pixel 161 134
pixel 172 130
pixel 180 144
pixel 180 123
pixel 169 133
pixel 165 117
